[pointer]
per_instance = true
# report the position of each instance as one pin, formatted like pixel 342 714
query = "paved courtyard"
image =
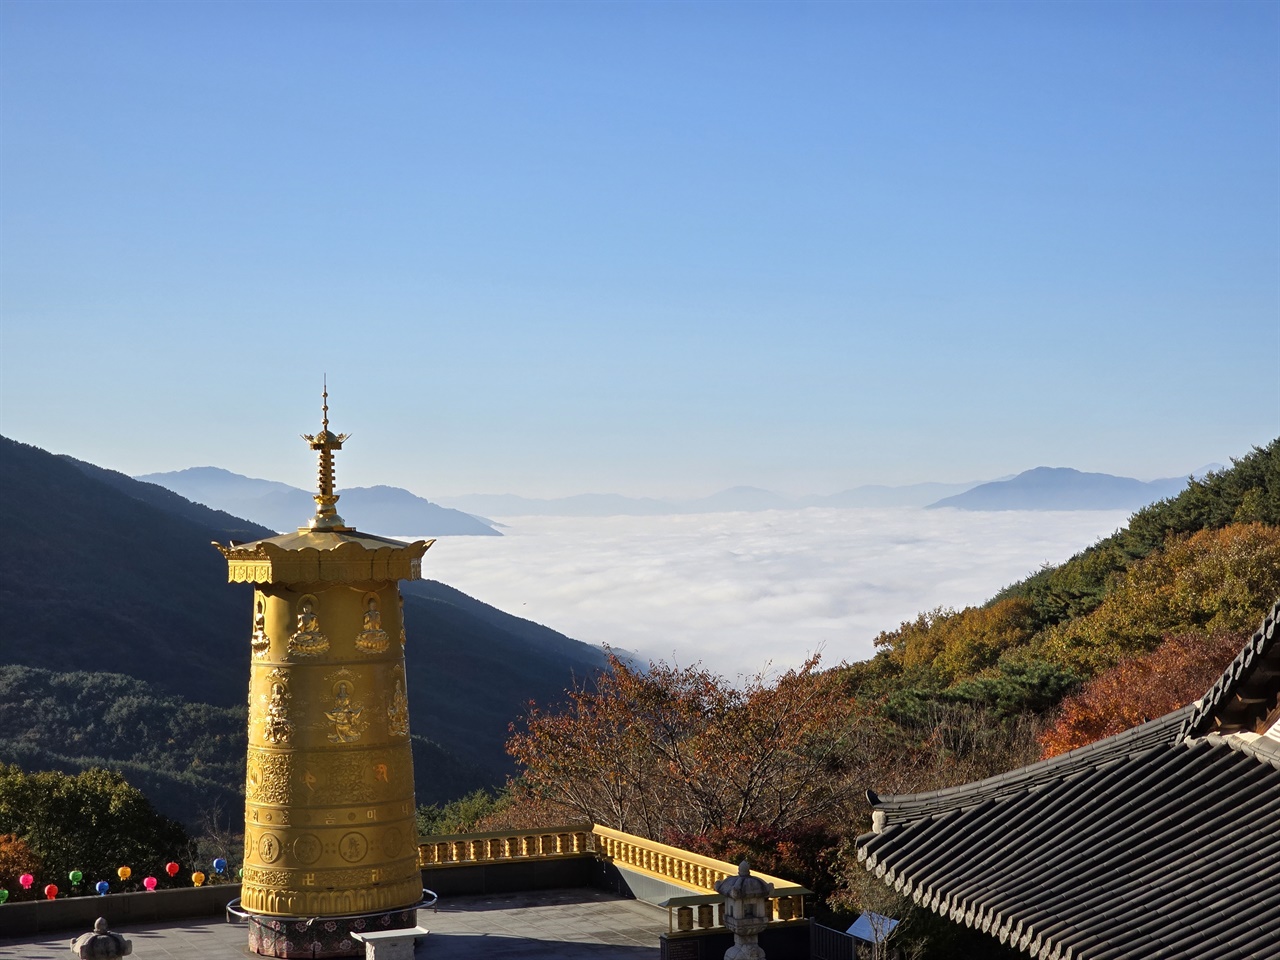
pixel 573 924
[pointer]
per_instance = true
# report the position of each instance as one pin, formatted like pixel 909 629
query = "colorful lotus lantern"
pixel 124 873
pixel 26 880
pixel 149 883
pixel 75 876
pixel 4 895
pixel 171 868
pixel 219 866
pixel 197 878
pixel 51 892
pixel 102 887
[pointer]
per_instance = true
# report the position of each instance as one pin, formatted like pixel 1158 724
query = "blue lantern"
pixel 102 887
pixel 219 865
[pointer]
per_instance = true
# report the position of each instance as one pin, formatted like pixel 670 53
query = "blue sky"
pixel 649 248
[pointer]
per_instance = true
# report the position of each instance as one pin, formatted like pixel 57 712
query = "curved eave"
pixel 324 557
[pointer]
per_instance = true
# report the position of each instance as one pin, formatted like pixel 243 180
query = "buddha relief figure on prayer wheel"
pixel 307 640
pixel 372 638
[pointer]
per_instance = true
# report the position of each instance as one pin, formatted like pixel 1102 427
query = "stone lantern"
pixel 746 912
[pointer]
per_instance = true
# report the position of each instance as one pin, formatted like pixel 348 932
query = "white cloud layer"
pixel 740 590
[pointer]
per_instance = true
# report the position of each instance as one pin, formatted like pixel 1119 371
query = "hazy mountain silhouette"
pixel 579 505
pixel 878 495
pixel 391 511
pixel 737 499
pixel 1062 488
pixel 734 499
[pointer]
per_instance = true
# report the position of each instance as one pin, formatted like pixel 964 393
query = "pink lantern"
pixel 149 883
pixel 51 892
pixel 26 880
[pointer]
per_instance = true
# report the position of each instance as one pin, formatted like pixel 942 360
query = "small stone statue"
pixel 101 944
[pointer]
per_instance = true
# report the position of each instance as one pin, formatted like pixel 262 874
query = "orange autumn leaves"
pixel 1141 688
pixel 672 749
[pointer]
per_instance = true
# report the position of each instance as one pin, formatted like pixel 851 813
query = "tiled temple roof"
pixel 1146 845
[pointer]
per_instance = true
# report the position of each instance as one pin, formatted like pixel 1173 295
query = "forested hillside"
pixel 777 769
pixel 188 758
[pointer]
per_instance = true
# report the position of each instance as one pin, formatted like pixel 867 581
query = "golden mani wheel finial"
pixel 325 443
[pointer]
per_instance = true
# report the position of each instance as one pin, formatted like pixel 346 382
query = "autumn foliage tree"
pixel 1141 688
pixel 672 751
pixel 959 644
pixel 16 859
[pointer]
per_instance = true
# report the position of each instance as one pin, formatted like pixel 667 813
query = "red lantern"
pixel 51 892
pixel 171 868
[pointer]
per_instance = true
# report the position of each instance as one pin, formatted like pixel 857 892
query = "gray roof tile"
pixel 1144 845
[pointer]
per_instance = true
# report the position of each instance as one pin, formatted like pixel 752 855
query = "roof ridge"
pixel 1262 749
pixel 1159 732
pixel 1260 647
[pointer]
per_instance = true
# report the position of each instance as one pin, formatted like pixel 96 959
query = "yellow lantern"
pixel 124 873
pixel 197 878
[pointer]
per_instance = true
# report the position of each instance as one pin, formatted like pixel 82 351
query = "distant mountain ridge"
pixel 741 499
pixel 390 510
pixel 399 512
pixel 1042 488
pixel 1063 488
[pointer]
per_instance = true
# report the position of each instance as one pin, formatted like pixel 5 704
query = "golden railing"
pixel 683 868
pixel 469 848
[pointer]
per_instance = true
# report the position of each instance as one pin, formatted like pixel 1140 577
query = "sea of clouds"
pixel 743 591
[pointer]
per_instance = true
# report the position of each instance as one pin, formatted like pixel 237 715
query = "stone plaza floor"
pixel 576 924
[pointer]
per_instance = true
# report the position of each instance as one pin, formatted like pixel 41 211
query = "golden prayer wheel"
pixel 330 831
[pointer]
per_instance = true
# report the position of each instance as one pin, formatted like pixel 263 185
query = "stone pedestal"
pixel 291 937
pixel 390 944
